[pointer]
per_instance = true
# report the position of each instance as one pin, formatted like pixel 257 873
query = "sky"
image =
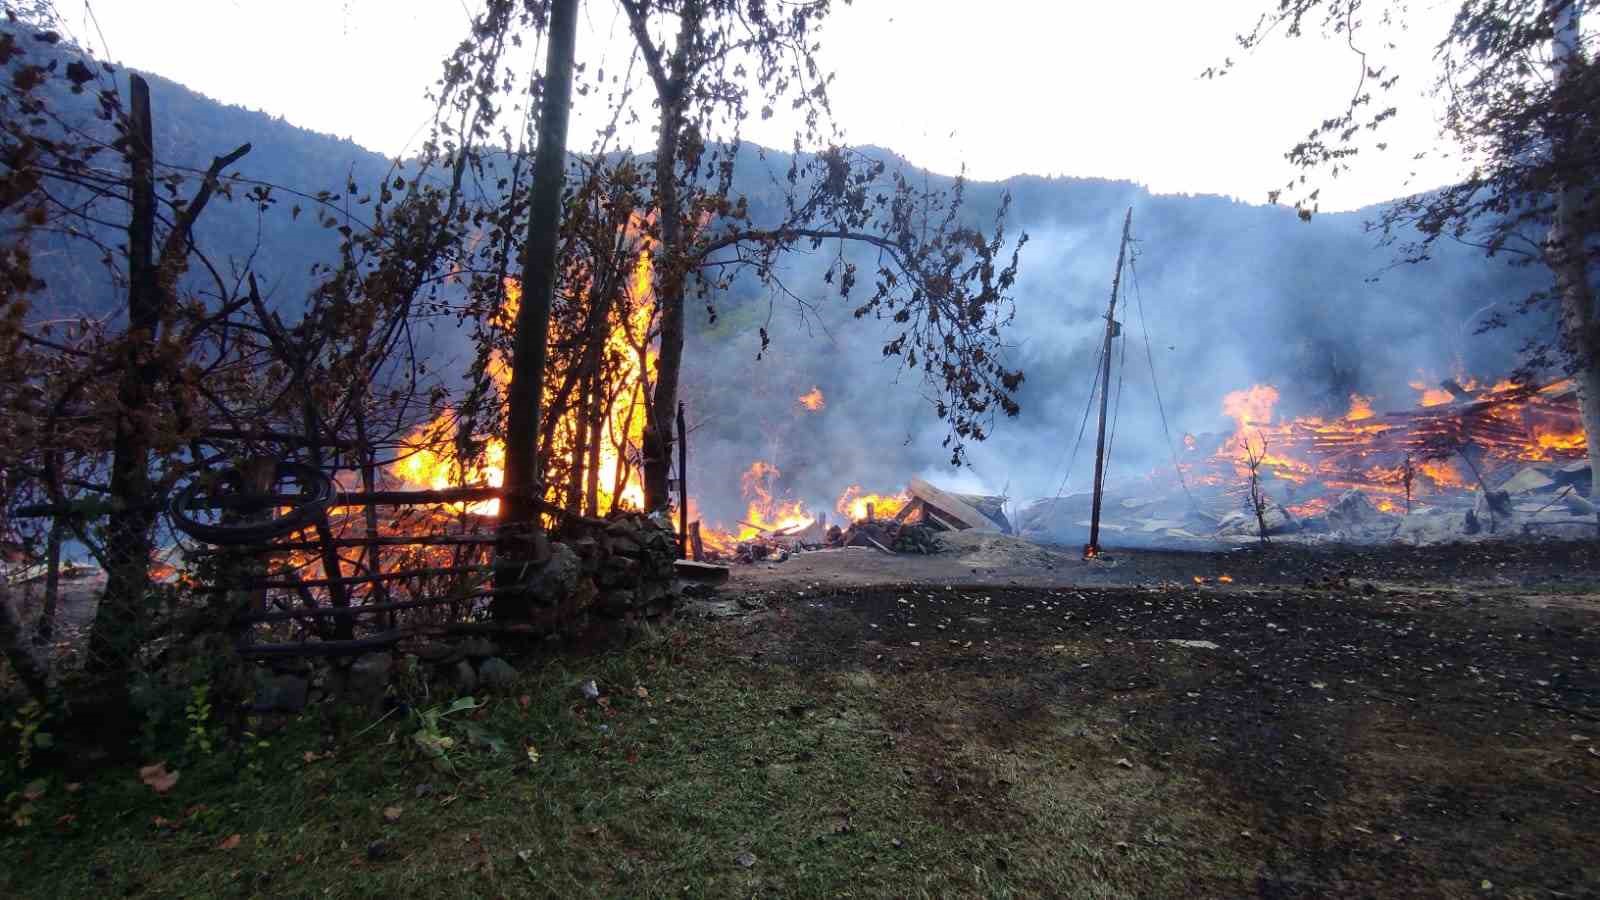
pixel 1004 87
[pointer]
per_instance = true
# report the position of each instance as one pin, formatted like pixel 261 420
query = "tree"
pixel 1521 95
pixel 709 65
pixel 539 273
pixel 943 281
pixel 195 372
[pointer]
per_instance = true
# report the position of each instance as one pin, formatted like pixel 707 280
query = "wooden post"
pixel 871 513
pixel 696 546
pixel 1093 547
pixel 683 486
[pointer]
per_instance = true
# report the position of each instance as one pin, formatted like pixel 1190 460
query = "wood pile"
pixel 948 511
pixel 889 536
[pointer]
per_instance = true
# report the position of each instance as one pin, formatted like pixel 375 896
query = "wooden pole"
pixel 683 486
pixel 1093 547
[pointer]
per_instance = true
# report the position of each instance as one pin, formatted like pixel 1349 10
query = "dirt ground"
pixel 1391 721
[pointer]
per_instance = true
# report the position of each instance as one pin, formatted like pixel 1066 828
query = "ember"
pixel 812 399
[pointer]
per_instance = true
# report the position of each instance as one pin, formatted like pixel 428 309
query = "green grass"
pixel 707 774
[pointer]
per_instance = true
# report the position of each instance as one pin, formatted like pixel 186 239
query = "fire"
pixel 765 513
pixel 1431 396
pixel 429 461
pixel 1444 473
pixel 1250 408
pixel 1366 450
pixel 812 399
pixel 853 504
pixel 1554 442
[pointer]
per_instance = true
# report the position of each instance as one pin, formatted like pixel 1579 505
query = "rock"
pixel 615 602
pixel 496 674
pixel 367 680
pixel 745 859
pixel 626 545
pixel 281 692
pixel 434 651
pixel 466 677
pixel 559 577
pixel 478 648
pixel 589 690
pixel 1527 480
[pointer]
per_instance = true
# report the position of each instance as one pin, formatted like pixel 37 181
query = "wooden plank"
pixel 878 545
pixel 699 571
pixel 956 508
pixel 938 521
pixel 906 510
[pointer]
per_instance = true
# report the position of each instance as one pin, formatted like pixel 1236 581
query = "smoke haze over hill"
pixel 1232 294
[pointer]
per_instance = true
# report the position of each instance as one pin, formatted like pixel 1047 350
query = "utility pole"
pixel 1092 549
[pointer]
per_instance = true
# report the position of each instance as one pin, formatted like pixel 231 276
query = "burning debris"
pixel 908 522
pixel 1470 460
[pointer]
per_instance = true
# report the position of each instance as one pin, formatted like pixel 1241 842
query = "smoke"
pixel 1220 295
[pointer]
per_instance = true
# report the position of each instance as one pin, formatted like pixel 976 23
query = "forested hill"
pixel 1233 294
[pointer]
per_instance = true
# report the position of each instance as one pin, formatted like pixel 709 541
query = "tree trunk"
pixel 671 271
pixel 1566 246
pixel 45 628
pixel 518 510
pixel 658 437
pixel 114 636
pixel 17 651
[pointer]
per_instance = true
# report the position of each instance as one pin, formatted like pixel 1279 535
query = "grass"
pixel 821 751
pixel 705 774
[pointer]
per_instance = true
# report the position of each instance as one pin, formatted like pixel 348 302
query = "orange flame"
pixel 812 399
pixel 429 465
pixel 1365 450
pixel 853 504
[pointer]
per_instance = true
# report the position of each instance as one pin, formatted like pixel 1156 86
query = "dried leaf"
pixel 392 813
pixel 157 778
pixel 229 842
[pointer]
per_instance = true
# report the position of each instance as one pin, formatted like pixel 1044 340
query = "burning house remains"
pixel 1470 461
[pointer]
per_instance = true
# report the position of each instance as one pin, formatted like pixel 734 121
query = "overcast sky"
pixel 1005 87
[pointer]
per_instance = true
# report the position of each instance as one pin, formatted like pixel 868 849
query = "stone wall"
pixel 594 578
